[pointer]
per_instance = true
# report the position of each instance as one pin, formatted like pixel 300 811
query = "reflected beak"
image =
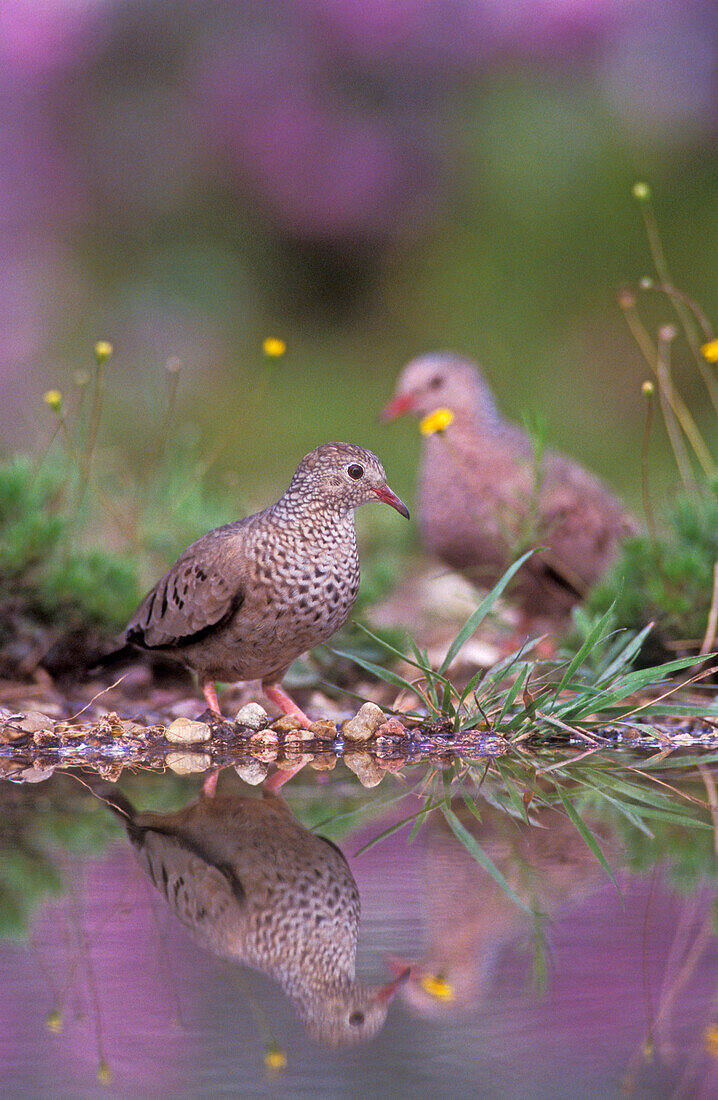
pixel 386 495
pixel 402 403
pixel 386 992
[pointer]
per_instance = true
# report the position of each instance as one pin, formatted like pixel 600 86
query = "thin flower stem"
pixel 667 397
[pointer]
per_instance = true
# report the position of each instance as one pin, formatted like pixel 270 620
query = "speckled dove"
pixel 242 602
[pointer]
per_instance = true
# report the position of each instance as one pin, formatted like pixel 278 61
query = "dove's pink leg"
pixel 280 698
pixel 210 693
pixel 286 704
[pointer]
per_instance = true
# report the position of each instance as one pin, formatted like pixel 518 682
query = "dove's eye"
pixel 355 471
pixel 435 382
pixel 356 1019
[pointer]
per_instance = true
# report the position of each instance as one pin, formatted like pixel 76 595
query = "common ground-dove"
pixel 486 494
pixel 252 885
pixel 243 601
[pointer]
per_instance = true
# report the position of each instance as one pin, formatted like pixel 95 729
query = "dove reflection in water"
pixel 252 885
pixel 470 920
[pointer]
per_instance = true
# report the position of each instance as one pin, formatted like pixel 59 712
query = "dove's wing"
pixel 203 588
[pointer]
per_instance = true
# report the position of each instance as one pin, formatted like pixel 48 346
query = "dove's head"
pixel 443 381
pixel 340 477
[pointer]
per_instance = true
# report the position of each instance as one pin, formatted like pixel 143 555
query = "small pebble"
pixel 187 763
pixel 184 731
pixel 253 772
pixel 364 724
pixel 11 733
pixel 298 737
pixel 324 729
pixel 34 721
pixel 366 769
pixel 297 760
pixel 286 723
pixel 252 717
pixel 392 727
pixel 323 761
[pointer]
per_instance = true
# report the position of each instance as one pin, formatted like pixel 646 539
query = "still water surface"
pixel 127 938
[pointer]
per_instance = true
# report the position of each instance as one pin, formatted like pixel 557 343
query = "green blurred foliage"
pixel 668 579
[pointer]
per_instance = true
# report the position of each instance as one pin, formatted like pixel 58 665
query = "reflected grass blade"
pixel 588 837
pixel 482 858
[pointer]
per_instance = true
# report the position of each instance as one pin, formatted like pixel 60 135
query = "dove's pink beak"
pixel 386 495
pixel 402 403
pixel 386 992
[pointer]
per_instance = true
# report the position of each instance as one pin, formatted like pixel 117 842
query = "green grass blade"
pixel 511 694
pixel 384 674
pixel 593 639
pixel 480 613
pixel 625 656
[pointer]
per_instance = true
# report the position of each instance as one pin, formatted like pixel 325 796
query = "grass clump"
pixel 568 696
pixel 668 580
pixel 80 538
pixel 40 569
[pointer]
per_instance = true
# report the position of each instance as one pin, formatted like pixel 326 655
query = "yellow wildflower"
pixel 641 191
pixel 709 351
pixel 53 1022
pixel 275 1058
pixel 103 351
pixel 437 987
pixel 437 421
pixel 710 1039
pixel 103 1073
pixel 53 398
pixel 273 347
pixel 648 389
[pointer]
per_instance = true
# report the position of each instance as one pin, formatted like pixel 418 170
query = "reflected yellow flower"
pixel 275 1059
pixel 53 1022
pixel 103 1073
pixel 709 351
pixel 437 421
pixel 641 191
pixel 437 987
pixel 273 347
pixel 710 1039
pixel 53 398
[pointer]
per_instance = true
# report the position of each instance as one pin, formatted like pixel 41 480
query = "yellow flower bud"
pixel 103 351
pixel 438 987
pixel 648 389
pixel 103 1073
pixel 710 1039
pixel 641 191
pixel 275 1059
pixel 53 398
pixel 437 421
pixel 80 378
pixel 53 1022
pixel 709 351
pixel 273 347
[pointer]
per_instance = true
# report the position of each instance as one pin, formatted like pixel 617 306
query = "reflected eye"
pixel 356 1019
pixel 435 382
pixel 355 471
